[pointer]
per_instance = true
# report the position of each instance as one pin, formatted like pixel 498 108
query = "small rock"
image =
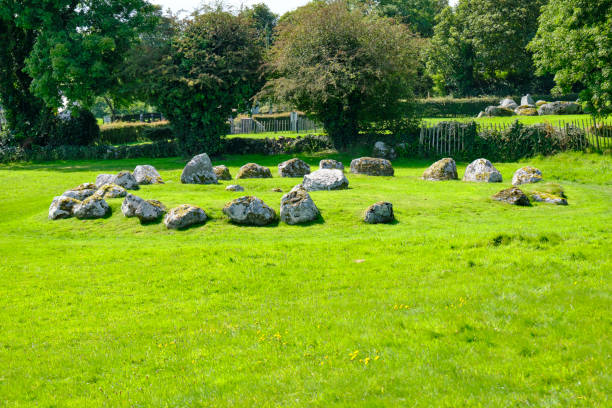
pixel 253 170
pixel 199 170
pixel 146 174
pixel 145 210
pixel 111 190
pixel 526 175
pixel 81 192
pixel 331 164
pixel 222 172
pixel 372 166
pixel 103 179
pixel 325 179
pixel 297 207
pixel 249 210
pixel 126 180
pixel 234 187
pixel 184 216
pixel 508 103
pixel 482 170
pixel 383 151
pixel 527 100
pixel 92 207
pixel 379 213
pixel 293 168
pixel 62 207
pixel 443 169
pixel 548 198
pixel 498 111
pixel 512 195
pixel 277 190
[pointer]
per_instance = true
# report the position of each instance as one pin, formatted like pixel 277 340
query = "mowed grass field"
pixel 462 302
pixel 554 120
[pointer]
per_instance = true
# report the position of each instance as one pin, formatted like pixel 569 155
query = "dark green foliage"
pixel 478 48
pixel 574 42
pixel 208 67
pixel 263 20
pixel 120 133
pixel 79 129
pixel 350 69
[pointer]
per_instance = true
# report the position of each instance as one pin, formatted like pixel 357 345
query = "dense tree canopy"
pixel 264 21
pixel 347 67
pixel 419 15
pixel 479 46
pixel 54 50
pixel 574 42
pixel 207 66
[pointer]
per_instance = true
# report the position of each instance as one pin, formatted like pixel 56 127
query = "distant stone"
pixel 126 180
pixel 540 103
pixel 222 172
pixel 372 166
pixel 512 195
pixel 277 190
pixel 498 111
pixel 146 174
pixel 443 169
pixel 325 179
pixel 483 171
pixel 297 207
pixel 527 100
pixel 145 210
pixel 199 170
pixel 81 192
pixel 234 187
pixel 184 216
pixel 103 179
pixel 253 170
pixel 383 151
pixel 379 213
pixel 62 207
pixel 92 207
pixel 560 108
pixel 526 175
pixel 249 210
pixel 508 103
pixel 293 168
pixel 482 114
pixel 526 111
pixel 541 196
pixel 111 190
pixel 331 164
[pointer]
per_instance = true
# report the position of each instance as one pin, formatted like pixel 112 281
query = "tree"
pixel 479 46
pixel 57 50
pixel 574 42
pixel 419 15
pixel 264 21
pixel 347 67
pixel 209 66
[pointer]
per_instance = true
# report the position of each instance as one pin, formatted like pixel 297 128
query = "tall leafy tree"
pixel 54 50
pixel 574 42
pixel 479 46
pixel 419 15
pixel 347 67
pixel 264 21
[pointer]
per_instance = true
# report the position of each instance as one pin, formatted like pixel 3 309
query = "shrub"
pixel 79 129
pixel 130 132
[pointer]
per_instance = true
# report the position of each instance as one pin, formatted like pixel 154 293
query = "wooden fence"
pixel 273 125
pixel 449 140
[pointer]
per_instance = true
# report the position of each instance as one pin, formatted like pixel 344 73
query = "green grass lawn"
pixel 554 120
pixel 462 302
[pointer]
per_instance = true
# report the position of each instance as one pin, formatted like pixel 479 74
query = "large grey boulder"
pixel 372 166
pixel 253 170
pixel 293 168
pixel 92 207
pixel 508 103
pixel 147 174
pixel 382 150
pixel 234 187
pixel 560 108
pixel 331 164
pixel 111 190
pixel 126 180
pixel 498 111
pixel 249 210
pixel 527 100
pixel 483 171
pixel 222 172
pixel 325 179
pixel 62 207
pixel 512 195
pixel 145 210
pixel 81 192
pixel 379 213
pixel 103 179
pixel 297 207
pixel 545 197
pixel 526 111
pixel 443 169
pixel 525 175
pixel 199 170
pixel 184 216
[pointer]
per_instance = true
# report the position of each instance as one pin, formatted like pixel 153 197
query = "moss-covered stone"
pixel 512 195
pixel 443 169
